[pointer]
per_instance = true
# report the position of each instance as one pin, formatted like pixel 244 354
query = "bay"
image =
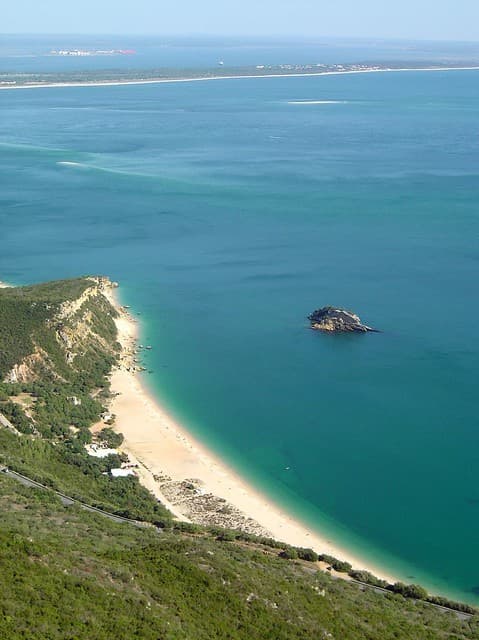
pixel 229 210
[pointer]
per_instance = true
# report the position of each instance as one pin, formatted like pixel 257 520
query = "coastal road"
pixel 8 425
pixel 462 615
pixel 67 501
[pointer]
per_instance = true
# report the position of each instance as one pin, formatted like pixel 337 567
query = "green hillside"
pixel 58 342
pixel 70 574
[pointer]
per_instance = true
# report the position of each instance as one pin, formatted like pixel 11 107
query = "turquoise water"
pixel 228 214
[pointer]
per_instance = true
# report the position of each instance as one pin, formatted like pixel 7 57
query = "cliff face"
pixel 29 368
pixel 60 328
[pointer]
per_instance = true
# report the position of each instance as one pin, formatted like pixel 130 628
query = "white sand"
pixel 162 446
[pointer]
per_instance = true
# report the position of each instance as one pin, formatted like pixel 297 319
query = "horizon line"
pixel 283 36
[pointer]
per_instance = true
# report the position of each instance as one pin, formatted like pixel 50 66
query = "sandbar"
pixel 135 81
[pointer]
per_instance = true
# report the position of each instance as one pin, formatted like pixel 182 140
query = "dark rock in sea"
pixel 337 320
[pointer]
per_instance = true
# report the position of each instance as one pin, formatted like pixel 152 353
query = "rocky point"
pixel 337 320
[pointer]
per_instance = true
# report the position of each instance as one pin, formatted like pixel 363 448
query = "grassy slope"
pixel 71 574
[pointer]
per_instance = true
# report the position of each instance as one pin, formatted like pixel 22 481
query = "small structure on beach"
pixel 121 473
pixel 100 452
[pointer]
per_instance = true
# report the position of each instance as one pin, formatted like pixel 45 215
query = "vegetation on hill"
pixel 70 470
pixel 67 573
pixel 59 340
pixel 25 313
pixel 61 330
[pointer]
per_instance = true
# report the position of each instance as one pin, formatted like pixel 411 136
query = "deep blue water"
pixel 228 214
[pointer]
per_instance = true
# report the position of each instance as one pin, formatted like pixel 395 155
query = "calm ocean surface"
pixel 228 214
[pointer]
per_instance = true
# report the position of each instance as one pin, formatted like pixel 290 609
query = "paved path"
pixel 68 501
pixel 6 423
pixel 462 615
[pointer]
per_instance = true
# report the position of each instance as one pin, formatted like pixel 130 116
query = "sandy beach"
pixel 169 457
pixel 115 83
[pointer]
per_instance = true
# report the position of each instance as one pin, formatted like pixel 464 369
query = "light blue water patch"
pixel 30 54
pixel 228 215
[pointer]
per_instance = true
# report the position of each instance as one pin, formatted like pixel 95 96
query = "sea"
pixel 228 210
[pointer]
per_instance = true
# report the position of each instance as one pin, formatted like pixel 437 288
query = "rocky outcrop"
pixel 336 320
pixel 205 508
pixel 98 286
pixel 30 368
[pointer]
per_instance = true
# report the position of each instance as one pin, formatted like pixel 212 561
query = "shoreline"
pixel 114 83
pixel 168 455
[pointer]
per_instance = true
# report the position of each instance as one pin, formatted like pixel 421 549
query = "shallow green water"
pixel 228 214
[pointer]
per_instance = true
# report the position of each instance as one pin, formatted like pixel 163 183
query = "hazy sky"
pixel 422 19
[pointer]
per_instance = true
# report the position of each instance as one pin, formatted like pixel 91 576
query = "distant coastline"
pixel 120 81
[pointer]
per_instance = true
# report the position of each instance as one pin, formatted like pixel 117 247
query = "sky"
pixel 411 19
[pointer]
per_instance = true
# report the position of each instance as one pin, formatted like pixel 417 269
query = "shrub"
pixel 409 590
pixel 307 554
pixel 289 553
pixel 337 565
pixel 368 578
pixel 112 438
pixel 227 536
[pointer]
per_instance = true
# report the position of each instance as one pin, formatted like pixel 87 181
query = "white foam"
pixel 317 102
pixel 66 163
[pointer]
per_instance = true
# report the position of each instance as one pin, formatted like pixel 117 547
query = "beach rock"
pixel 337 321
pixel 201 507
